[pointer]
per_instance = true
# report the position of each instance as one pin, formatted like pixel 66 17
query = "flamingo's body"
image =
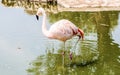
pixel 61 30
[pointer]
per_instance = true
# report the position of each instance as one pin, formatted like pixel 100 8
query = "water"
pixel 24 50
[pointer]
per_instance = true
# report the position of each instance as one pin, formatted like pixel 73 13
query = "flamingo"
pixel 62 30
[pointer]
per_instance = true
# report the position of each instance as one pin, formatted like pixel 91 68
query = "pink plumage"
pixel 61 30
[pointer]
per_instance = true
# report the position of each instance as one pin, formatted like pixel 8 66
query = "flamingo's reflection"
pixel 56 63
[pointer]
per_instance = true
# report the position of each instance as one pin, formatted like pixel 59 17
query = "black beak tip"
pixel 37 17
pixel 79 36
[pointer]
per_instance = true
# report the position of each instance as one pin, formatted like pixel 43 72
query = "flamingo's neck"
pixel 44 28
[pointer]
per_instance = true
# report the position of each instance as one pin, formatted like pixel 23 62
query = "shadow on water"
pixel 98 54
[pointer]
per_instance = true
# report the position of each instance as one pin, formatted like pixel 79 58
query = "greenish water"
pixel 24 50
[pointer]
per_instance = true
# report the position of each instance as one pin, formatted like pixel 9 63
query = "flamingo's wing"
pixel 63 29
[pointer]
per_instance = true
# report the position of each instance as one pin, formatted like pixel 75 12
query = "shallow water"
pixel 25 50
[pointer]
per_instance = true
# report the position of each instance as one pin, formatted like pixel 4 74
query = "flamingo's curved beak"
pixel 37 17
pixel 79 37
pixel 81 34
pixel 78 40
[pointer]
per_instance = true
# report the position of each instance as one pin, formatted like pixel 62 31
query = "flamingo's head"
pixel 80 34
pixel 40 11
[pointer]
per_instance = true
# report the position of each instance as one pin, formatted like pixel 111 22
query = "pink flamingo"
pixel 61 30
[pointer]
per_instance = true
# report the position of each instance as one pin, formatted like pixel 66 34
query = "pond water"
pixel 24 50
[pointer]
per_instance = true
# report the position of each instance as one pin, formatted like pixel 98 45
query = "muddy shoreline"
pixel 88 3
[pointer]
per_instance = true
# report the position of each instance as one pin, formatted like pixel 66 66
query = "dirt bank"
pixel 88 3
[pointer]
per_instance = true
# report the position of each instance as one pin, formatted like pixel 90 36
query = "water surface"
pixel 25 50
